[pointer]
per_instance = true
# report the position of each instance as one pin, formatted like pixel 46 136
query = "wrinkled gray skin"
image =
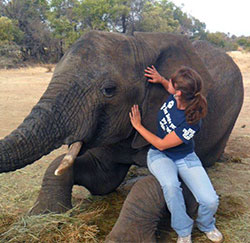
pixel 89 97
pixel 143 210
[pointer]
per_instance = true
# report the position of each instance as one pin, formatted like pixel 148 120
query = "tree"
pixel 63 22
pixel 9 51
pixel 9 32
pixel 108 15
pixel 244 42
pixel 119 15
pixel 135 14
pixel 157 17
pixel 221 40
pixel 44 29
pixel 30 15
pixel 217 39
pixel 189 25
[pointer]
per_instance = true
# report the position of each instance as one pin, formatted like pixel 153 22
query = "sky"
pixel 226 16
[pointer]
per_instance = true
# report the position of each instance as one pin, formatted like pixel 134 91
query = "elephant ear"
pixel 174 51
pixel 155 97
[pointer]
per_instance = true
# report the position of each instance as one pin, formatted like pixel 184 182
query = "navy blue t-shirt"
pixel 169 119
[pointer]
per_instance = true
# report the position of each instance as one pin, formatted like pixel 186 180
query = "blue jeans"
pixel 195 177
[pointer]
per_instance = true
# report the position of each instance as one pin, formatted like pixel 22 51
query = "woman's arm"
pixel 155 77
pixel 169 141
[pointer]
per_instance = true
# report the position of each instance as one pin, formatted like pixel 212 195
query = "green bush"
pixel 244 42
pixel 10 55
pixel 221 40
pixel 9 31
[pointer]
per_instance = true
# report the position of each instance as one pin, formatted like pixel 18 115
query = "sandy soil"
pixel 21 89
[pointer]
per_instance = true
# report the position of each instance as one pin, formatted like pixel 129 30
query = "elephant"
pixel 88 100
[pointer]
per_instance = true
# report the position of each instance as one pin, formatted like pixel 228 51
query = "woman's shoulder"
pixel 196 125
pixel 170 99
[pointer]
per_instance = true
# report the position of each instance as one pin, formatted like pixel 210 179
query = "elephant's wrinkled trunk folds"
pixel 36 136
pixel 49 125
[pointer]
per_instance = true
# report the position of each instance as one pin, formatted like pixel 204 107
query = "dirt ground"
pixel 20 89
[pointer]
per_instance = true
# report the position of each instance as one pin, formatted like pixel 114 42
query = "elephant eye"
pixel 109 91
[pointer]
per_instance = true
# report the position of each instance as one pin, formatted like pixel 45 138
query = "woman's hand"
pixel 153 75
pixel 135 116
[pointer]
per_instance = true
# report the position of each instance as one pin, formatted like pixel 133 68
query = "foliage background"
pixel 42 30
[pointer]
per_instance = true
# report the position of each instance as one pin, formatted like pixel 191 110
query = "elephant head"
pixel 92 90
pixel 88 100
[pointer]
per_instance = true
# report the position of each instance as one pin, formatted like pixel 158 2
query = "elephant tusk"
pixel 69 158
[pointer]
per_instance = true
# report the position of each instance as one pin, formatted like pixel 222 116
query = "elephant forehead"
pixel 104 48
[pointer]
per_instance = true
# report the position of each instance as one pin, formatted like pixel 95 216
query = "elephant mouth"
pixel 75 149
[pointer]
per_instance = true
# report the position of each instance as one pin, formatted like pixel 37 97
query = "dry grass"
pixel 242 59
pixel 49 67
pixel 74 226
pixel 93 217
pixel 89 221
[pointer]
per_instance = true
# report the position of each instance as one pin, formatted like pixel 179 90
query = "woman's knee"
pixel 211 202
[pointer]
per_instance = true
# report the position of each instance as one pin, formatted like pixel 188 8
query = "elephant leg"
pixel 142 211
pixel 99 170
pixel 95 170
pixel 55 194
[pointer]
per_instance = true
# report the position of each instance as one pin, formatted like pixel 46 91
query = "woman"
pixel 172 152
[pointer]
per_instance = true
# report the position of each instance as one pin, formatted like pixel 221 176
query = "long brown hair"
pixel 190 83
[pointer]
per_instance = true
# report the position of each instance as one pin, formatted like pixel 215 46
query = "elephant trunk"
pixel 38 135
pixel 60 117
pixel 51 123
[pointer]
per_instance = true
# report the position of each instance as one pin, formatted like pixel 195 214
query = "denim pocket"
pixel 192 160
pixel 154 155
